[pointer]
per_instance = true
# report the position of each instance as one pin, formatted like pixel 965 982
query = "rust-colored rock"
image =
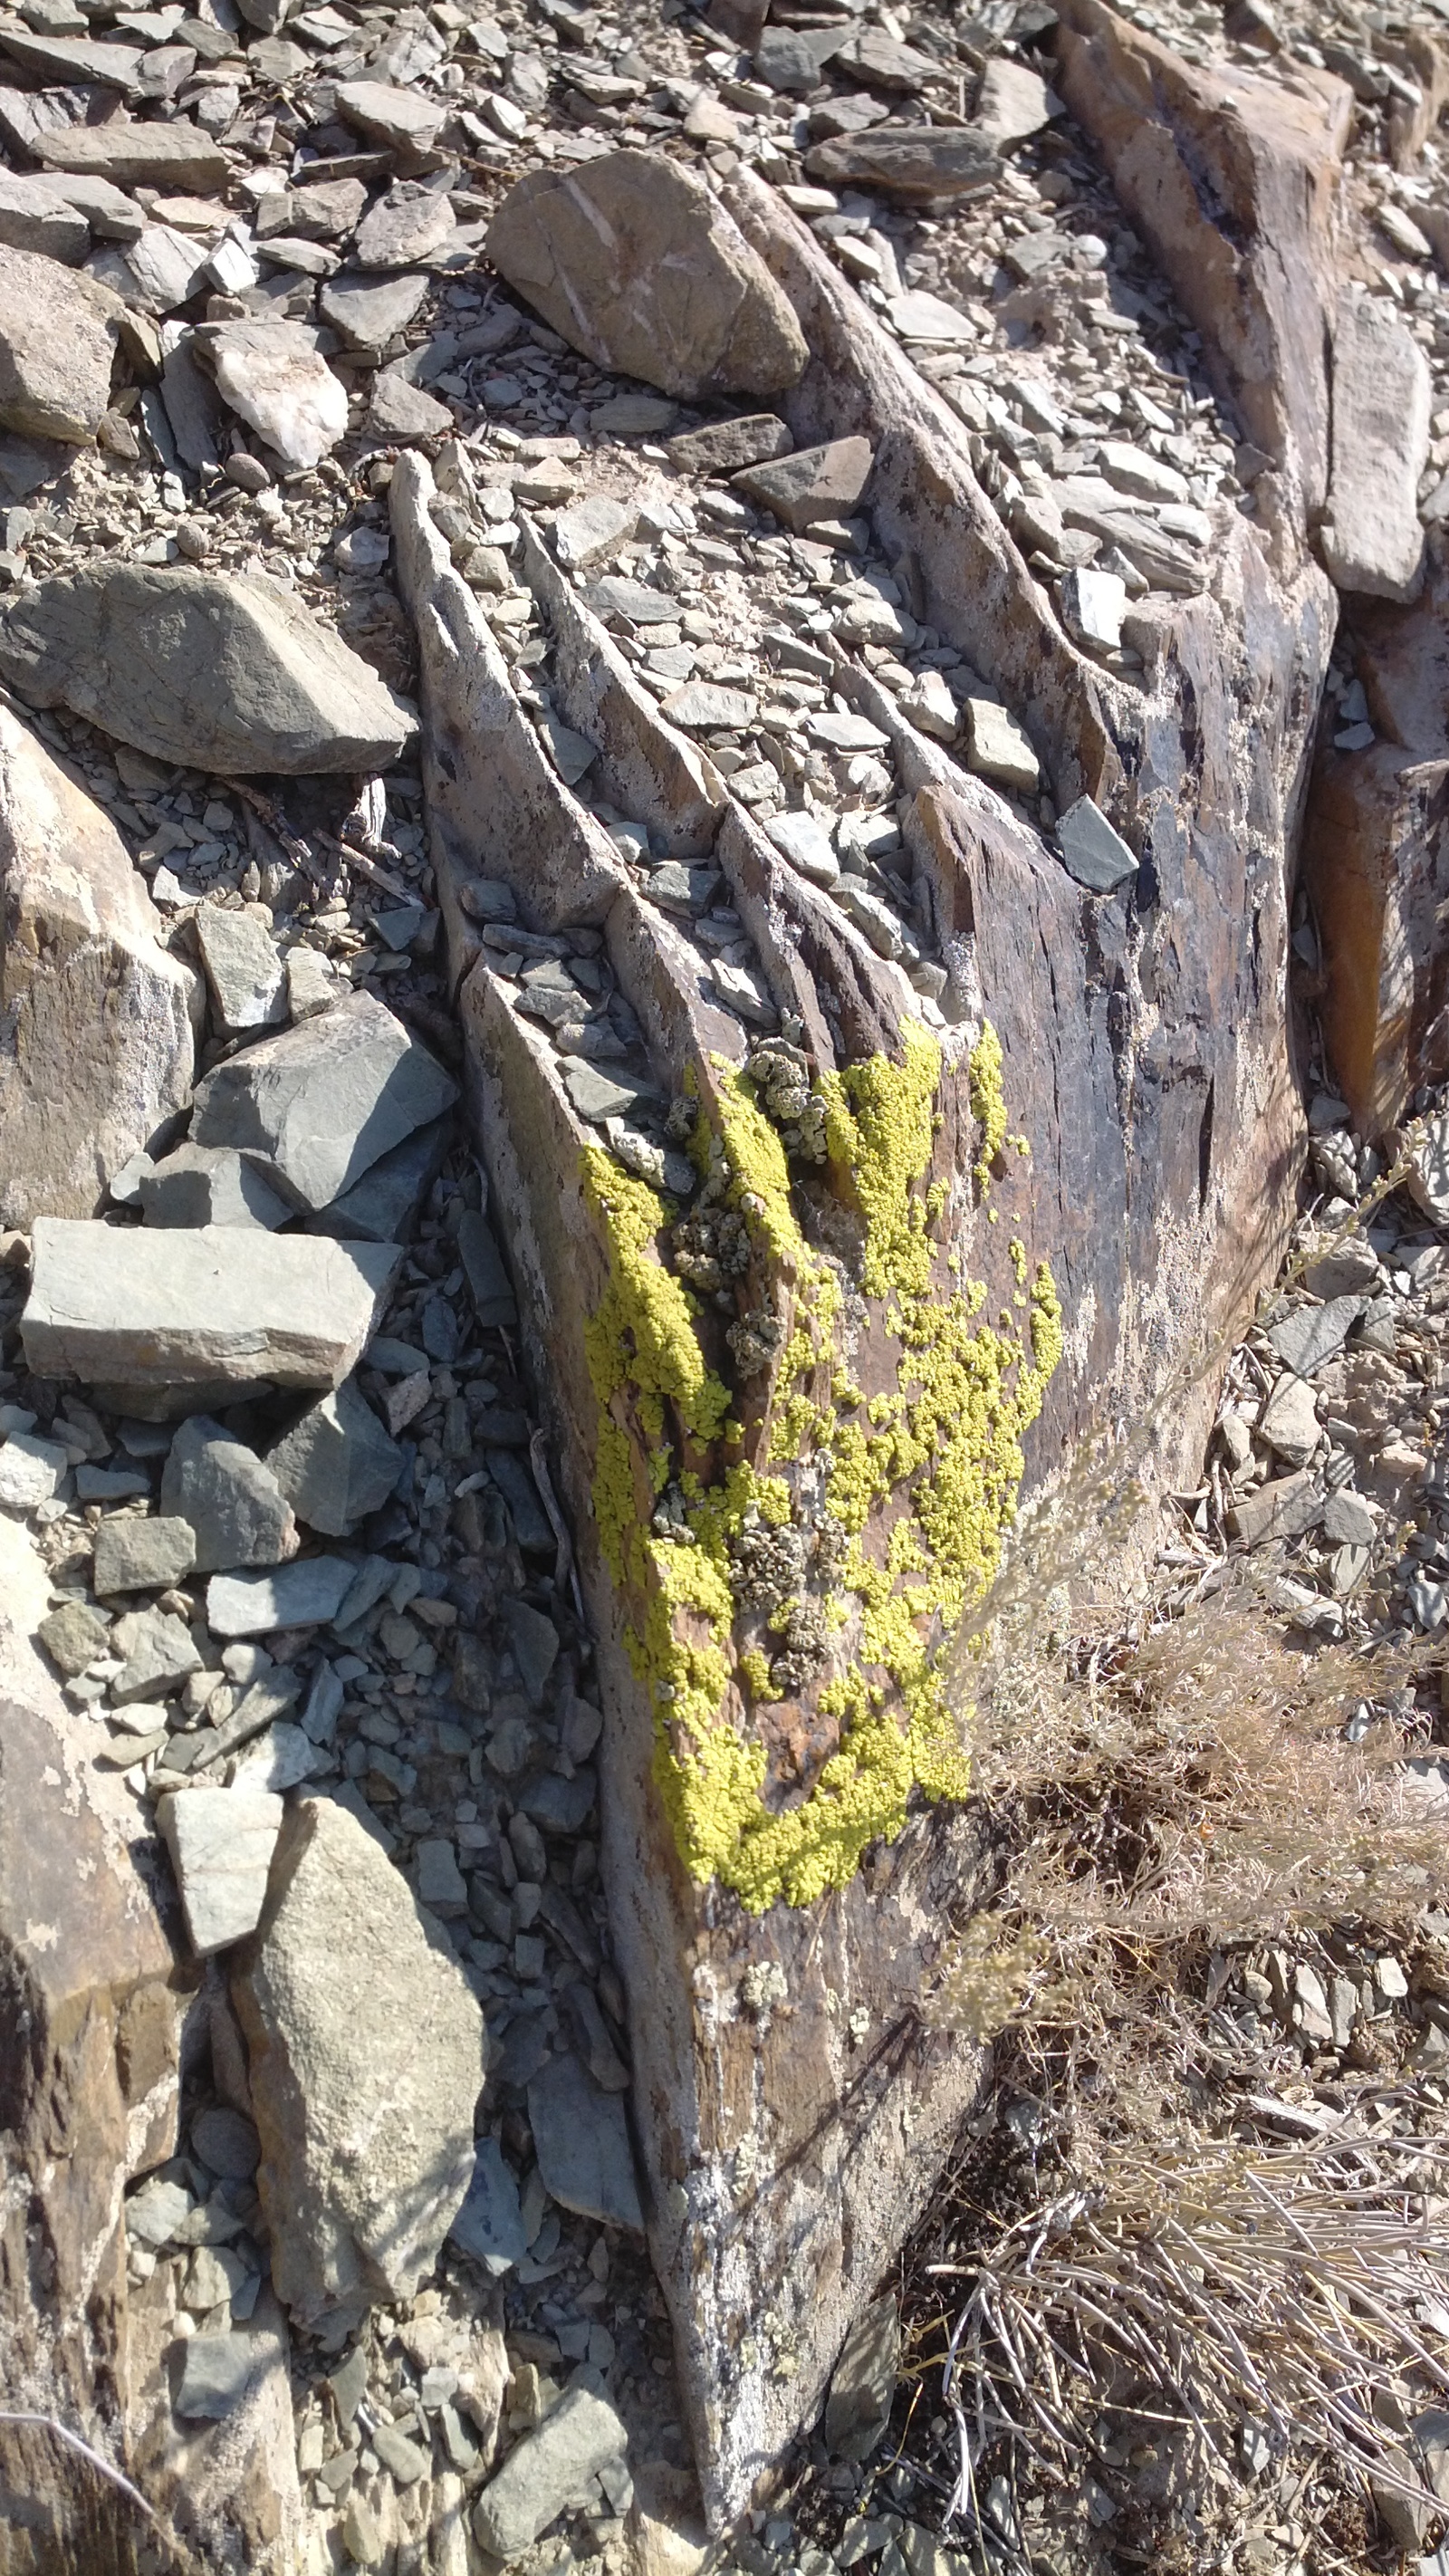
pixel 1233 179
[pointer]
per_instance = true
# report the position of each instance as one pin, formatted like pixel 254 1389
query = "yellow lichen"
pixel 945 1443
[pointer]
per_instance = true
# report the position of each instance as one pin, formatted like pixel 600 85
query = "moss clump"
pixel 945 1444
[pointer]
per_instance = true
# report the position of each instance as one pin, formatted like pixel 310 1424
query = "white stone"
pixel 1094 605
pixel 1371 538
pixel 221 1843
pixel 920 316
pixel 275 378
pixel 931 708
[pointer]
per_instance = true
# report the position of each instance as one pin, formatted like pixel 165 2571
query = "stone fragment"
pixel 169 156
pixel 34 216
pixel 632 416
pixel 405 228
pixel 483 1267
pixel 547 2471
pixel 591 529
pixel 31 1470
pixel 221 1306
pixel 998 747
pixel 367 2055
pixel 402 411
pixel 96 1017
pixel 1094 605
pixel 157 1652
pixel 275 378
pixel 489 2226
pixel 1349 1520
pixel 212 670
pixel 724 446
pixel 921 165
pixel 73 1636
pixel 111 215
pixel 58 337
pixel 383 1206
pixel 230 1501
pixel 370 311
pixel 931 708
pixel 1306 1339
pixel 227 2142
pixel 1290 1420
pixel 243 968
pixel 321 1104
pixel 581 2138
pixel 863 2384
pixel 305 1594
pixel 219 2371
pixel 74 58
pixel 703 706
pixel 157 2212
pixel 278 1758
pixel 221 1843
pixel 1282 1509
pixel 1014 101
pixel 632 259
pixel 402 120
pixel 803 839
pixel 210 1185
pixel 792 59
pixel 135 1555
pixel 814 483
pixel 337 1463
pixel 929 318
pixel 1093 852
pixel 1372 540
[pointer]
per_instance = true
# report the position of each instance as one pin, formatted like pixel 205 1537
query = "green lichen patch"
pixel 919 1483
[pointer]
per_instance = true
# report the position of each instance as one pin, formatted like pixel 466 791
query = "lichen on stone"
pixel 925 1475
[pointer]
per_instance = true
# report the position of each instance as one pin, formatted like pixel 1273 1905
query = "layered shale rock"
pixel 754 1246
pixel 97 1019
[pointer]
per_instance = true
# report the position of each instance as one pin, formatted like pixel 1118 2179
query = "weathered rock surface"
pixel 722 447
pixel 59 333
pixel 319 1105
pixel 367 2057
pixel 205 669
pixel 580 2436
pixel 35 216
pixel 229 1499
pixel 406 228
pixel 921 165
pixel 247 979
pixel 221 1306
pixel 132 155
pixel 210 1185
pixel 273 376
pixel 633 260
pixel 97 1020
pixel 1233 179
pixel 1371 538
pixel 815 483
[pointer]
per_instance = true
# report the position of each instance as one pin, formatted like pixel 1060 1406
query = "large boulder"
pixel 633 259
pixel 98 1021
pixel 211 670
pixel 59 332
pixel 367 2057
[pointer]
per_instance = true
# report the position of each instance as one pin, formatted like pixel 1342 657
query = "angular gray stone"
pixel 803 839
pixel 547 2471
pixel 134 1555
pixel 919 165
pixel 401 119
pixel 705 706
pixel 217 2372
pixel 227 2142
pixel 794 58
pixel 632 259
pixel 1312 1335
pixel 383 1206
pixel 367 2055
pixel 370 311
pixel 210 1185
pixel 407 227
pixel 999 748
pixel 1014 101
pixel 402 411
pixel 305 1594
pixel 157 1651
pixel 34 216
pixel 489 2226
pixel 210 670
pixel 1372 540
pixel 322 1103
pixel 592 528
pixel 1290 1420
pixel 30 1470
pixel 632 416
pixel 814 483
pixel 337 1463
pixel 175 156
pixel 73 1636
pixel 1282 1509
pixel 274 377
pixel 193 407
pixel 581 2139
pixel 1095 854
pixel 156 2212
pixel 614 596
pixel 110 213
pixel 279 1758
pixel 243 968
pixel 221 1306
pixel 59 332
pixel 228 1499
pixel 724 446
pixel 221 1843
pixel 75 58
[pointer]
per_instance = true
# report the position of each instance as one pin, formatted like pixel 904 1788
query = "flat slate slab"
pixel 222 1306
pixel 321 1104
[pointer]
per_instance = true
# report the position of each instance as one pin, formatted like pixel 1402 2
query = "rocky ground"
pixel 276 1480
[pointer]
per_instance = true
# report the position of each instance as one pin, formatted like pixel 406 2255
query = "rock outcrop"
pixel 97 1019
